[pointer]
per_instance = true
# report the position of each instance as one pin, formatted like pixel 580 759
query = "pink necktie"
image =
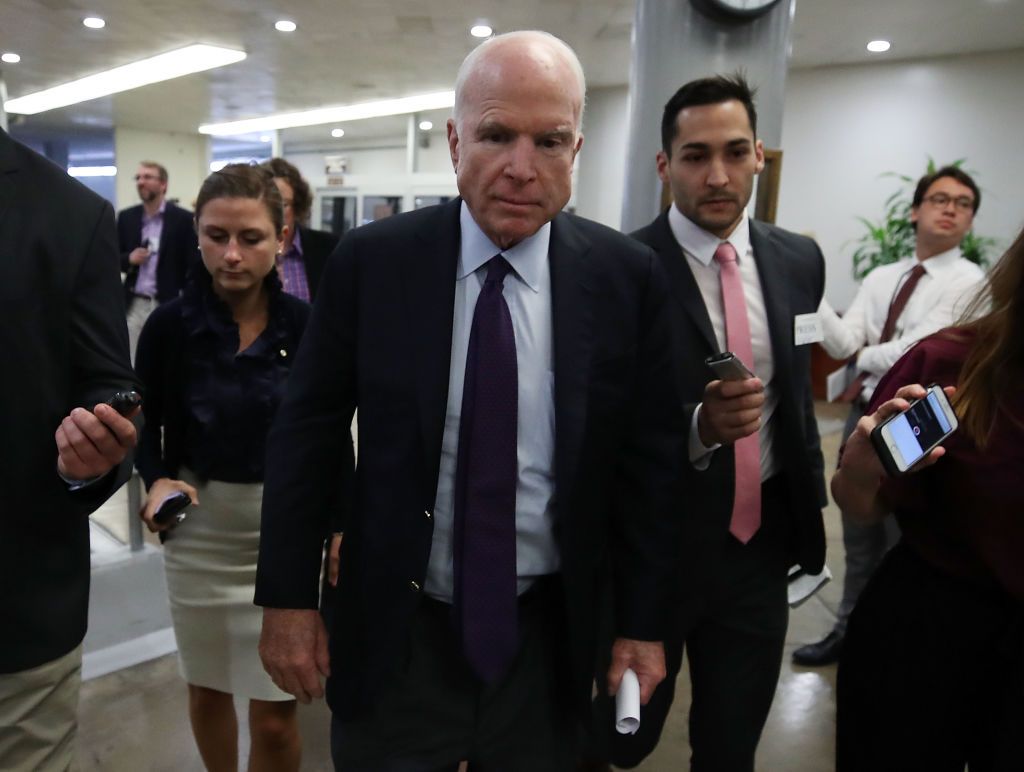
pixel 746 506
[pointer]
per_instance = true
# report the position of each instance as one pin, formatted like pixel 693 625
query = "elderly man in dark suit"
pixel 65 347
pixel 519 439
pixel 157 241
pixel 754 481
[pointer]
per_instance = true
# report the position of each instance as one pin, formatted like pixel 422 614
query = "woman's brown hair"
pixel 994 368
pixel 243 181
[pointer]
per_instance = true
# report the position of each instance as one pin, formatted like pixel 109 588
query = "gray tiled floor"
pixel 136 719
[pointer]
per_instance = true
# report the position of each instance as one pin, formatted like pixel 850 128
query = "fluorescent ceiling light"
pixel 92 171
pixel 173 64
pixel 10 57
pixel 879 46
pixel 94 22
pixel 265 138
pixel 481 31
pixel 285 26
pixel 426 125
pixel 339 114
pixel 337 133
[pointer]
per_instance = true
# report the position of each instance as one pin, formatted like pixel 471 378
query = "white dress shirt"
pixel 527 291
pixel 939 299
pixel 699 247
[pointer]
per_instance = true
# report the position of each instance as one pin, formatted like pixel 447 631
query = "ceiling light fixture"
pixel 340 114
pixel 284 25
pixel 173 64
pixel 10 58
pixel 879 46
pixel 337 133
pixel 265 138
pixel 426 125
pixel 94 22
pixel 481 31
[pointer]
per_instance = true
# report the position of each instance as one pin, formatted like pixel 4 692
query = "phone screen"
pixel 916 431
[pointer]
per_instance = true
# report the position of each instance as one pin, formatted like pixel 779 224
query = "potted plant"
pixel 892 237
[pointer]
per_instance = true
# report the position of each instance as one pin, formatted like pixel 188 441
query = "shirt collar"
pixel 941 262
pixel 700 243
pixel 528 258
pixel 295 250
pixel 158 213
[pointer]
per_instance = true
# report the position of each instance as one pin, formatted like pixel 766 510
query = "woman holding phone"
pixel 932 670
pixel 214 363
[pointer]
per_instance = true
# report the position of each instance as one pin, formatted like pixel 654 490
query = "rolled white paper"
pixel 627 704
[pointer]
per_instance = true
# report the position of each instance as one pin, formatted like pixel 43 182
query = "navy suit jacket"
pixel 792 273
pixel 179 250
pixel 380 339
pixel 316 248
pixel 65 345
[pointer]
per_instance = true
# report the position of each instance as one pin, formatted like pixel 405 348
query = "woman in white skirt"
pixel 214 363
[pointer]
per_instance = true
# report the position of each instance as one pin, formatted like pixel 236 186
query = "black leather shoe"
pixel 824 652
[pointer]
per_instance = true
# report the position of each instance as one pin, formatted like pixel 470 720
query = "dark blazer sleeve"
pixel 311 446
pixel 157 359
pixel 647 524
pixel 129 234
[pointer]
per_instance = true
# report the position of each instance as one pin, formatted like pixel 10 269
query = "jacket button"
pixel 414 586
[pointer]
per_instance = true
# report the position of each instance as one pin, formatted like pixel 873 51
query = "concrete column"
pixel 3 98
pixel 673 43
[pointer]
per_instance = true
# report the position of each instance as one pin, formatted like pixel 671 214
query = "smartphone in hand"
pixel 125 402
pixel 905 438
pixel 172 509
pixel 728 367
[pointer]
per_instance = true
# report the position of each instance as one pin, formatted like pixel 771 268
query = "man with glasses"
pixel 897 305
pixel 158 243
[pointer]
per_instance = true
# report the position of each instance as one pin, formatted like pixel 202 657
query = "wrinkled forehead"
pixel 524 70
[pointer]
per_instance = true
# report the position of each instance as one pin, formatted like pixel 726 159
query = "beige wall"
pixel 186 157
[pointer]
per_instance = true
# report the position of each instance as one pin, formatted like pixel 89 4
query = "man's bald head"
pixel 527 48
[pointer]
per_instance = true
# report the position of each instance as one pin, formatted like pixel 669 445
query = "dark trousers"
pixel 436 712
pixel 734 645
pixel 864 545
pixel 930 677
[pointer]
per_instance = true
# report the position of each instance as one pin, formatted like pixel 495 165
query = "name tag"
pixel 807 329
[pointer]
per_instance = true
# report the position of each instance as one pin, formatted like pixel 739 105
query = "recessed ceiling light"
pixel 337 133
pixel 426 125
pixel 879 46
pixel 94 22
pixel 264 138
pixel 173 64
pixel 10 57
pixel 481 31
pixel 420 103
pixel 285 26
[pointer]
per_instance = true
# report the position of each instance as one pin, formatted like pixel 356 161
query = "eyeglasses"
pixel 963 203
pixel 140 177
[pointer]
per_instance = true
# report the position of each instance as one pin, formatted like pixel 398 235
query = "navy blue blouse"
pixel 212 404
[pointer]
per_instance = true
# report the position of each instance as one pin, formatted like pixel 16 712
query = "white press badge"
pixel 807 328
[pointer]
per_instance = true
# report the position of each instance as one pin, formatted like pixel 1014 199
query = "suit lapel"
pixel 429 289
pixel 772 268
pixel 684 286
pixel 571 313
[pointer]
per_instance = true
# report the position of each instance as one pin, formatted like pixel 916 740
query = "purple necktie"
pixel 746 505
pixel 485 486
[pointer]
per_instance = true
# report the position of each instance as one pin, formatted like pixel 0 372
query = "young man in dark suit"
pixel 157 241
pixel 519 439
pixel 754 477
pixel 65 348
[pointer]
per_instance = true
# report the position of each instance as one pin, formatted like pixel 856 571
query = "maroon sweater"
pixel 964 514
